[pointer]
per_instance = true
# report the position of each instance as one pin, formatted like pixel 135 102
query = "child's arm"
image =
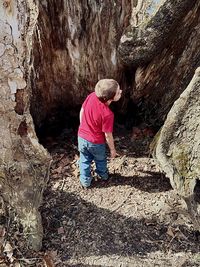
pixel 110 142
pixel 81 114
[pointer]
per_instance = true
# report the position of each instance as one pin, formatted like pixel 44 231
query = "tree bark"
pixel 178 144
pixel 75 45
pixel 51 58
pixel 152 28
pixel 163 49
pixel 24 163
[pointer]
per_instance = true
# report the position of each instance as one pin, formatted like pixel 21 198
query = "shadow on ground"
pixel 77 228
pixel 152 182
pixel 88 230
pixel 197 192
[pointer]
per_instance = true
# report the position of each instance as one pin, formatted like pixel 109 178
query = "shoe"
pixel 85 183
pixel 84 187
pixel 102 178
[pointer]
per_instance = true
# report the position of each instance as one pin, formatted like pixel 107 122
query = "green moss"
pixel 183 163
pixel 154 142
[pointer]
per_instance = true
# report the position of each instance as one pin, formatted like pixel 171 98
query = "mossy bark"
pixel 178 145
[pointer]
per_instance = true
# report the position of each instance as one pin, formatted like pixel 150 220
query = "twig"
pixel 123 202
pixel 168 247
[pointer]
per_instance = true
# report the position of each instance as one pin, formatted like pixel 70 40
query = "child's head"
pixel 107 89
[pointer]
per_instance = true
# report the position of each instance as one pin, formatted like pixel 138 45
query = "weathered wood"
pixel 24 163
pixel 153 24
pixel 77 42
pixel 178 145
pixel 164 61
pixel 75 45
pixel 56 53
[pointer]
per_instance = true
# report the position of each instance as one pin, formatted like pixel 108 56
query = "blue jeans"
pixel 88 153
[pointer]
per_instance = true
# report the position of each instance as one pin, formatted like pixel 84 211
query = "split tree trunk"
pixel 76 43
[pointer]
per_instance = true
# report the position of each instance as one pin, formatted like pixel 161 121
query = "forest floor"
pixel 133 219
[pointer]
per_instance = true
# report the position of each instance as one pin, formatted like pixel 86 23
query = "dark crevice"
pixel 23 129
pixel 58 120
pixel 197 191
pixel 19 96
pixel 61 119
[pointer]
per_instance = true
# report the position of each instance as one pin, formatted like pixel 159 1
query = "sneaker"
pixel 102 178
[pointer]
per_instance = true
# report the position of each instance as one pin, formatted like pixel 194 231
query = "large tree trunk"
pixel 162 45
pixel 178 145
pixel 24 163
pixel 56 50
pixel 75 45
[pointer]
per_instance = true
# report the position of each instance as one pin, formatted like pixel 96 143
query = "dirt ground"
pixel 133 219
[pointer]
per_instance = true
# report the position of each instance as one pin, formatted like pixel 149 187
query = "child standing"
pixel 96 127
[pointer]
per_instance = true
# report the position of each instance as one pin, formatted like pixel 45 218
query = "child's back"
pixel 96 127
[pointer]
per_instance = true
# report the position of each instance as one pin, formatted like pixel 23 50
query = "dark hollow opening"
pixel 130 114
pixel 62 119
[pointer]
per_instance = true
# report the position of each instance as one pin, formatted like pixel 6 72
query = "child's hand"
pixel 113 153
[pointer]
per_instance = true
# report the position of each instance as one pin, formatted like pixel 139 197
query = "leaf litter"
pixel 132 219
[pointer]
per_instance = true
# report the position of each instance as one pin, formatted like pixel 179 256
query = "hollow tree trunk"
pixel 75 44
pixel 59 51
pixel 24 163
pixel 178 145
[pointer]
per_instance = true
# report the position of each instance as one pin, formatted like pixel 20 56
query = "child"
pixel 96 127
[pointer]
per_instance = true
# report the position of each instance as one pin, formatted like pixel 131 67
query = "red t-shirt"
pixel 97 119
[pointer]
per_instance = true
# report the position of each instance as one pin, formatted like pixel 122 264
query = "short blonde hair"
pixel 106 89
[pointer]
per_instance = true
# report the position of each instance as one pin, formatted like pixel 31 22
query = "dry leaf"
pixel 17 264
pixel 170 231
pixel 76 173
pixel 8 247
pixel 53 253
pixel 58 170
pixel 65 161
pixel 48 261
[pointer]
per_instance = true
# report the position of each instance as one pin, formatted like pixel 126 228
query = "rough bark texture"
pixel 153 25
pixel 164 49
pixel 75 45
pixel 24 163
pixel 178 144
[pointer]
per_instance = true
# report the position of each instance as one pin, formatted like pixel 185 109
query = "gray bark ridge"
pixel 178 145
pixel 147 37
